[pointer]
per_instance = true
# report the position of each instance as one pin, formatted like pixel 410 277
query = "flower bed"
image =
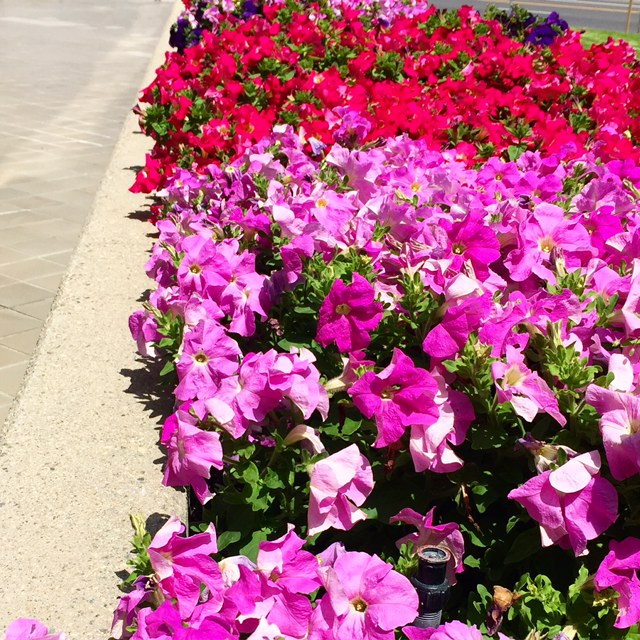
pixel 371 331
pixel 396 297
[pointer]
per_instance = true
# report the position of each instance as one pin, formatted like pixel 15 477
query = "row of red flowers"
pixel 453 79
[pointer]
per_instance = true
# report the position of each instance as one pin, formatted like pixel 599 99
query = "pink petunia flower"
pixel 339 485
pixel 366 599
pixel 620 429
pixel 208 356
pixel 29 629
pixel 348 315
pixel 449 337
pixel 181 564
pixel 618 571
pixel 258 598
pixel 447 536
pixel 545 231
pixel 454 630
pixel 572 504
pixel 127 610
pixel 399 396
pixel 284 562
pixel 527 392
pixel 430 445
pixel 191 453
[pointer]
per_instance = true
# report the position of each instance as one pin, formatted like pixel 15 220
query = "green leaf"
pixel 228 537
pixel 526 544
pixel 251 548
pixel 168 368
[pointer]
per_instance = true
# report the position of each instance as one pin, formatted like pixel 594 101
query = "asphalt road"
pixel 594 14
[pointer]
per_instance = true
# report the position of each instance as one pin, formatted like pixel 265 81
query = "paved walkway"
pixel 69 73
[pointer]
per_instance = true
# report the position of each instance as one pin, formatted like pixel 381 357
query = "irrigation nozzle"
pixel 432 585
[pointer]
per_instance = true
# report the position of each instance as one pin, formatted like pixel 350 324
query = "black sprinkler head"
pixel 432 585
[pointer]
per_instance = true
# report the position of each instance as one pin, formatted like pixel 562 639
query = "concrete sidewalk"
pixel 69 73
pixel 79 452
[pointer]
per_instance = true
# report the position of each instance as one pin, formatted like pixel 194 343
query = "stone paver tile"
pixel 21 218
pixel 4 280
pixel 61 257
pixel 45 247
pixel 39 309
pixel 30 270
pixel 25 341
pixel 13 295
pixel 11 378
pixel 10 356
pixel 12 322
pixel 51 282
pixel 8 255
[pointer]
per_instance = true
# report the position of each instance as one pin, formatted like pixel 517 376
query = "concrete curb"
pixel 80 447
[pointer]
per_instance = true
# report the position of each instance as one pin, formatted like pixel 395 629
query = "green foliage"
pixel 140 563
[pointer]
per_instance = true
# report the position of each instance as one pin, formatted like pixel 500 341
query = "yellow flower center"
pixel 514 376
pixel 321 204
pixel 195 269
pixel 359 605
pixel 343 309
pixel 201 358
pixel 546 244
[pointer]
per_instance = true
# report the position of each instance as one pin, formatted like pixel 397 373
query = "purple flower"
pixel 618 571
pixel 400 396
pixel 620 429
pixel 191 454
pixel 29 629
pixel 181 564
pixel 527 392
pixel 349 314
pixel 572 504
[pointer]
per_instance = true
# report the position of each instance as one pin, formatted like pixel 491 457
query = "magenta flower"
pixel 144 330
pixel 454 630
pixel 367 599
pixel 257 598
pixel 29 629
pixel 348 315
pixel 527 392
pixel 191 454
pixel 181 565
pixel 196 264
pixel 618 571
pixel 448 536
pixel 208 356
pixel 572 504
pixel 298 379
pixel 546 230
pixel 620 429
pixel 237 288
pixel 449 337
pixel 127 609
pixel 284 562
pixel 400 396
pixel 339 485
pixel 471 239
